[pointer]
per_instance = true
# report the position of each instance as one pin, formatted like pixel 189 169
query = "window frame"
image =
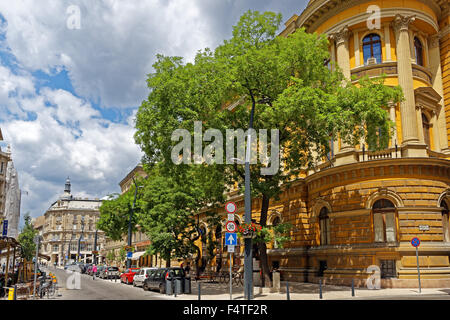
pixel 372 43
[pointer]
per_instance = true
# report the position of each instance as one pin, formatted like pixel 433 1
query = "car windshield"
pixel 113 268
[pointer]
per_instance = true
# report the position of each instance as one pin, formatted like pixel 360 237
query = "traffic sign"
pixel 5 228
pixel 231 226
pixel 230 207
pixel 415 242
pixel 230 248
pixel 230 239
pixel 129 254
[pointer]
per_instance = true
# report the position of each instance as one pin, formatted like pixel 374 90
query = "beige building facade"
pixel 68 229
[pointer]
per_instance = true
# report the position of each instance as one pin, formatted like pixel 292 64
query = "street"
pixel 99 289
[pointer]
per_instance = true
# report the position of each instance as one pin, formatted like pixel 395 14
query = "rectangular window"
pixel 388 269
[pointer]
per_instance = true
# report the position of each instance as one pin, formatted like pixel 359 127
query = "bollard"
pixel 15 292
pixel 199 291
pixel 169 288
pixel 353 287
pixel 287 291
pixel 320 289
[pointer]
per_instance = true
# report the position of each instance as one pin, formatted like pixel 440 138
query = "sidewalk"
pixel 308 291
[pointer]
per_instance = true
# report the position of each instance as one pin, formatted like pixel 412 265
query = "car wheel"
pixel 145 287
pixel 134 284
pixel 162 289
pixel 128 282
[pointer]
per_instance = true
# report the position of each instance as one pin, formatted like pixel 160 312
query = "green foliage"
pixel 291 89
pixel 111 256
pixel 26 239
pixel 279 234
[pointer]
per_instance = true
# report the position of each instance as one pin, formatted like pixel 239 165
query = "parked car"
pixel 86 267
pixel 128 276
pixel 157 278
pixel 139 277
pixel 109 273
pixel 99 270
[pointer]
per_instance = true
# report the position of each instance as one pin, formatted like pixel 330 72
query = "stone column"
pixel 419 120
pixel 435 126
pixel 342 53
pixel 387 41
pixel 411 146
pixel 346 152
pixel 436 71
pixel 392 117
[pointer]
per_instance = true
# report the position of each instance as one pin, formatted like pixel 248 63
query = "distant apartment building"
pixel 69 229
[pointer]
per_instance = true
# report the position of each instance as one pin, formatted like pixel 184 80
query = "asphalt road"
pixel 99 289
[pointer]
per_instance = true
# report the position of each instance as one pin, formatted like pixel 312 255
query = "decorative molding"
pixel 401 23
pixel 341 37
pixel 384 193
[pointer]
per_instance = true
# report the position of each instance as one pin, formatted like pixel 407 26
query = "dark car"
pixel 109 273
pixel 157 278
pixel 85 267
pixel 99 270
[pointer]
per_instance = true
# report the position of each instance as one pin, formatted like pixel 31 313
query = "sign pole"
pixel 418 268
pixel 231 278
pixel 35 264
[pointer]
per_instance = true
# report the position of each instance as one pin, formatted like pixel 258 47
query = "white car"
pixel 139 277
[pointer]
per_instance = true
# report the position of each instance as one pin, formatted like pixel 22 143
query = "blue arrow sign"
pixel 230 239
pixel 129 254
pixel 5 228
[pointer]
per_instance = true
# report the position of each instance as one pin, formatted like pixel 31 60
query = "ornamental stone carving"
pixel 341 37
pixel 401 23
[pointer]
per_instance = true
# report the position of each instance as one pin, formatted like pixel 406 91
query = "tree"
pixel 26 239
pixel 286 81
pixel 168 216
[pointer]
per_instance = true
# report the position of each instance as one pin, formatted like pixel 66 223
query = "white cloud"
pixel 68 138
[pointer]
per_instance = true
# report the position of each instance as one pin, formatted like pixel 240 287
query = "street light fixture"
pixel 129 222
pixel 248 258
pixel 79 239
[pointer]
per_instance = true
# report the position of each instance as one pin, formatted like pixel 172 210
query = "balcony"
pixel 390 69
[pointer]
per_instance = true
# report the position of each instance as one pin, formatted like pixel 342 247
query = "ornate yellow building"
pixel 363 208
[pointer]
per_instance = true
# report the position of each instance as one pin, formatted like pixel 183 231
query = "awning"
pixel 137 255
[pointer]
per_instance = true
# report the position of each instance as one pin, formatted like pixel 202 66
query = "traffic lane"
pixel 100 289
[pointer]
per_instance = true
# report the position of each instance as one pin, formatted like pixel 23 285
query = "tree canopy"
pixel 286 81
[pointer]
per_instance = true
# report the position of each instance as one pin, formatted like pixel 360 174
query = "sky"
pixel 73 74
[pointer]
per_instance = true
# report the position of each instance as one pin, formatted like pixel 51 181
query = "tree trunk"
pixel 266 279
pixel 168 262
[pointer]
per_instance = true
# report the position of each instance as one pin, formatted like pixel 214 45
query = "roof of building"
pixel 131 174
pixel 38 222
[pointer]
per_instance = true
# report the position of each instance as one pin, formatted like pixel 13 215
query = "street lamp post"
pixel 129 222
pixel 248 258
pixel 79 239
pixel 95 247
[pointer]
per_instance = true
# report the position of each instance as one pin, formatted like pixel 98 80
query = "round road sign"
pixel 230 207
pixel 231 226
pixel 415 242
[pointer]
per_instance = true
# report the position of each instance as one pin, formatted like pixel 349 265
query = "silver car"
pixel 110 273
pixel 140 277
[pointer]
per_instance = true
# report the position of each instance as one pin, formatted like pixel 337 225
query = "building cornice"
pixel 321 10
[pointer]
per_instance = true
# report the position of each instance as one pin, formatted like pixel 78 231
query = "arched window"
pixel 372 48
pixel 418 48
pixel 384 221
pixel 276 221
pixel 426 130
pixel 445 221
pixel 324 224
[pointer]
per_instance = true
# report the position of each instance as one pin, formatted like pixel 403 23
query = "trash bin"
pixel 169 289
pixel 178 285
pixel 187 285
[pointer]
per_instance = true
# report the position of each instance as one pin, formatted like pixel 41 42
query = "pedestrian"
pixel 187 269
pixel 94 271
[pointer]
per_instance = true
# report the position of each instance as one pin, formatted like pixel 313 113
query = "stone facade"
pixel 68 220
pixel 362 209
